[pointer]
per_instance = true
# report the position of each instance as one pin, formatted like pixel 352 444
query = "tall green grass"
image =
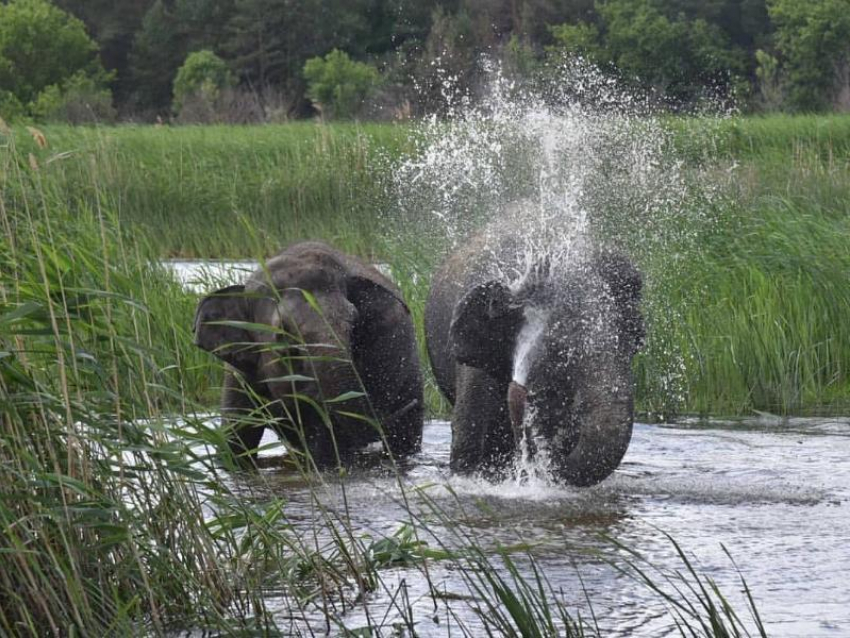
pixel 228 191
pixel 754 312
pixel 117 517
pixel 749 319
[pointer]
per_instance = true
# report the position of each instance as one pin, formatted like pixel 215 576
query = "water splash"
pixel 527 341
pixel 569 160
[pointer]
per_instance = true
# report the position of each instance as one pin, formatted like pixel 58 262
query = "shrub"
pixel 338 85
pixel 42 48
pixel 200 82
pixel 79 100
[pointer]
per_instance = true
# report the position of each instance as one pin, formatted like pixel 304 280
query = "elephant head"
pixel 315 334
pixel 561 341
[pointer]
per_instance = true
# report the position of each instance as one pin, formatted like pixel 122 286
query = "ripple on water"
pixel 777 498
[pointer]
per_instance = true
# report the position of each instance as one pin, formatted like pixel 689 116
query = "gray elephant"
pixel 534 350
pixel 320 346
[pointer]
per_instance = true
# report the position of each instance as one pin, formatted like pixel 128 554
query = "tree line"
pixel 260 60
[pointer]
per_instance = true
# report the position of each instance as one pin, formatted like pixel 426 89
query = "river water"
pixel 774 493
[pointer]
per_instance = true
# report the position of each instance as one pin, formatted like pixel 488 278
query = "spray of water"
pixel 573 160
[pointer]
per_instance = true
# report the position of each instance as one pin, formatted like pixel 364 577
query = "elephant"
pixel 319 346
pixel 533 348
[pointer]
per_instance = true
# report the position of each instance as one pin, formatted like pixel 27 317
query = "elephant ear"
pixel 484 328
pixel 373 297
pixel 625 283
pixel 214 332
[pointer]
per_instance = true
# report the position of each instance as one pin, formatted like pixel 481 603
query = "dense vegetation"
pixel 390 58
pixel 117 518
pixel 751 320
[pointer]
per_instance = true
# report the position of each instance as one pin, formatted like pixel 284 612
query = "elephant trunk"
pixel 604 427
pixel 517 400
pixel 311 387
pixel 319 373
pixel 585 443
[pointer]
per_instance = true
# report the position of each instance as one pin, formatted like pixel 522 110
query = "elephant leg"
pixel 307 436
pixel 242 418
pixel 482 440
pixel 403 429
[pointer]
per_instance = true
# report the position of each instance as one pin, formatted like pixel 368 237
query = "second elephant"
pixel 321 347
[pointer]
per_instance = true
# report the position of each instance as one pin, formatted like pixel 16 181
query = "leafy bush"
pixel 200 82
pixel 812 39
pixel 79 100
pixel 42 48
pixel 676 56
pixel 338 85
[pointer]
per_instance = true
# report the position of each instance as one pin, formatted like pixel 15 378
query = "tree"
pixel 202 78
pixel 771 91
pixel 158 51
pixel 259 42
pixel 337 85
pixel 677 57
pixel 42 46
pixel 446 67
pixel 269 41
pixel 813 39
pixel 113 25
pixel 577 39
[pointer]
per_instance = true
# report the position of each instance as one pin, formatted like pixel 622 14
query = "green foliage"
pixel 814 41
pixel 676 56
pixel 519 58
pixel 577 39
pixel 202 77
pixel 338 85
pixel 80 99
pixel 448 62
pixel 158 50
pixel 770 85
pixel 43 49
pixel 10 106
pixel 269 41
pixel 113 25
pixel 419 44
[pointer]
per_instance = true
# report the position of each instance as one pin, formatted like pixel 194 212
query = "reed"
pixel 752 315
pixel 121 511
pixel 227 191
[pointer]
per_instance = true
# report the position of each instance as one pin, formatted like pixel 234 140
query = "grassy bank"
pixel 750 321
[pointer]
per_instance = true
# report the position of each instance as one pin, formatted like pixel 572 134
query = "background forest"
pixel 271 60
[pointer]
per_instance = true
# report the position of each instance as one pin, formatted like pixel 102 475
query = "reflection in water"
pixel 775 494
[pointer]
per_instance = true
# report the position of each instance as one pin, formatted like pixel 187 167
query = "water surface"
pixel 775 493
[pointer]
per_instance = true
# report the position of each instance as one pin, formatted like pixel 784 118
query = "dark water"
pixel 775 493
